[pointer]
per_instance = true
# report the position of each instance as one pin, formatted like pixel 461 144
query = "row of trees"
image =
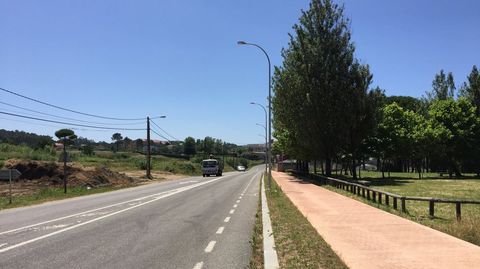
pixel 324 108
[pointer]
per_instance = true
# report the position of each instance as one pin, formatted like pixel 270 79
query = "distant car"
pixel 241 168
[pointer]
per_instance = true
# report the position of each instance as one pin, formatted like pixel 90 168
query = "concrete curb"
pixel 270 258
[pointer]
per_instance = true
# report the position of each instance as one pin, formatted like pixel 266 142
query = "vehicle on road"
pixel 241 168
pixel 212 167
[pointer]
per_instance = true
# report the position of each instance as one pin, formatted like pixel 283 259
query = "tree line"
pixel 325 109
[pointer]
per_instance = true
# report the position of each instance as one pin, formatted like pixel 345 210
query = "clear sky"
pixel 130 59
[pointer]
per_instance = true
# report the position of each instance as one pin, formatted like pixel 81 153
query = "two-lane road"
pixel 191 223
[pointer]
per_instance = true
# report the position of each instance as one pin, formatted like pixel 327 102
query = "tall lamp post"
pixel 269 109
pixel 266 147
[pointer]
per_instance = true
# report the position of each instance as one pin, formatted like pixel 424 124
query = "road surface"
pixel 195 222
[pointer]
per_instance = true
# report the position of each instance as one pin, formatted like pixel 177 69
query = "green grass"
pixel 256 260
pixel 445 219
pixel 51 194
pixel 297 243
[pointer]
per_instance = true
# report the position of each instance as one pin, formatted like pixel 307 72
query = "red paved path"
pixel 366 237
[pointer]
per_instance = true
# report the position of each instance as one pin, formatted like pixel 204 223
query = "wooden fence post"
pixel 394 202
pixel 404 208
pixel 458 209
pixel 432 209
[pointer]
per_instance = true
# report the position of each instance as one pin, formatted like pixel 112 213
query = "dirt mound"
pixel 51 173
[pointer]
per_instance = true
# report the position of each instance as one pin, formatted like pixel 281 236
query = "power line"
pixel 73 124
pixel 174 138
pixel 67 118
pixel 69 110
pixel 161 135
pixel 53 126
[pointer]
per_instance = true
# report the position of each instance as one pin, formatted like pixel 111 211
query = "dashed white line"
pixel 210 246
pixel 232 211
pixel 235 206
pixel 198 265
pixel 227 219
pixel 238 201
pixel 220 230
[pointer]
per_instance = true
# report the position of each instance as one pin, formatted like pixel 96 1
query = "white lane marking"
pixel 220 230
pixel 100 208
pixel 81 213
pixel 198 265
pixel 235 205
pixel 238 201
pixel 227 219
pixel 175 191
pixel 232 211
pixel 4 244
pixel 210 246
pixel 186 182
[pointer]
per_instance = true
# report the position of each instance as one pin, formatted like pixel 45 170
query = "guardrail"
pixel 384 197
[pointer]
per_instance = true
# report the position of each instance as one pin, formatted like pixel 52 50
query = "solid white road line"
pixel 170 193
pixel 270 258
pixel 198 265
pixel 220 230
pixel 227 219
pixel 232 211
pixel 210 246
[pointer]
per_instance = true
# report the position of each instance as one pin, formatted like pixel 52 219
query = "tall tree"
pixel 471 88
pixel 66 137
pixel 443 87
pixel 319 86
pixel 117 137
pixel 189 146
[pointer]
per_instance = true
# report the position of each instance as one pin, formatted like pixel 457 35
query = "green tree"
pixel 127 142
pixel 320 90
pixel 406 102
pixel 458 118
pixel 443 87
pixel 66 137
pixel 471 88
pixel 139 144
pixel 117 137
pixel 189 146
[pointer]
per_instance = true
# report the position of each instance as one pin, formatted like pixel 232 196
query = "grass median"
pixel 297 242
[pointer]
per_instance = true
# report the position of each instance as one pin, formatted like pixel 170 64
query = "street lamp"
pixel 266 143
pixel 266 147
pixel 269 108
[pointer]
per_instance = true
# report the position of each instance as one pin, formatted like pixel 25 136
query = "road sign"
pixel 5 174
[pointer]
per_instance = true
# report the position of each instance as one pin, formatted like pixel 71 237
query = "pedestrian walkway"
pixel 367 237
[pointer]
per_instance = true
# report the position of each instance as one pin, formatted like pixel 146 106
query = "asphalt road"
pixel 195 222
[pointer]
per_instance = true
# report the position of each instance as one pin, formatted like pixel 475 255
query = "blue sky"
pixel 130 59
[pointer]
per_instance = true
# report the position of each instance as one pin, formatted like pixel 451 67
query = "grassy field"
pixel 440 187
pixel 297 243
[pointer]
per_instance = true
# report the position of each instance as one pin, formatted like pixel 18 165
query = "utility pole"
pixel 149 175
pixel 64 165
